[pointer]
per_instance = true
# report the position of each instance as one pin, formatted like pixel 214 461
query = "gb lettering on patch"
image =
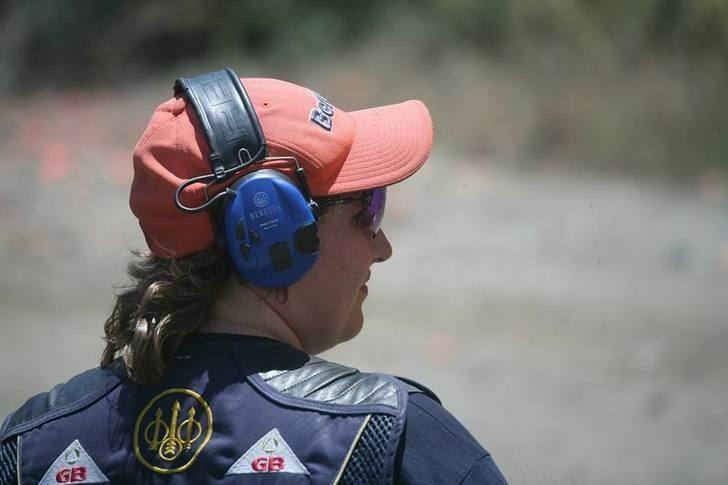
pixel 270 454
pixel 74 465
pixel 323 113
pixel 172 430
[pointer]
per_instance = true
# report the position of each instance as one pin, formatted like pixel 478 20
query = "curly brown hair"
pixel 166 300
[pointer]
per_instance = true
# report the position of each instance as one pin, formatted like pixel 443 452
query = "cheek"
pixel 345 271
pixel 345 257
pixel 327 301
pixel 354 260
pixel 340 274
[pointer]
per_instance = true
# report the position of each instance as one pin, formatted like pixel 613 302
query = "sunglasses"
pixel 372 207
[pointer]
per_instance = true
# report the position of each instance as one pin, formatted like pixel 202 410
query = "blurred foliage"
pixel 625 83
pixel 87 39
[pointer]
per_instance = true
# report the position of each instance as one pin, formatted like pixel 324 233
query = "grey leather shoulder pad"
pixel 330 383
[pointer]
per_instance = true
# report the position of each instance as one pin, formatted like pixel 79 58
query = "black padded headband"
pixel 228 120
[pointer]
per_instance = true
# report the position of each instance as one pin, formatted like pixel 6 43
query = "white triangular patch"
pixel 73 466
pixel 270 454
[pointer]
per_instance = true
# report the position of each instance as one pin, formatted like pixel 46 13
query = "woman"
pixel 261 205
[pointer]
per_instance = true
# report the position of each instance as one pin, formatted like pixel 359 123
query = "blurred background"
pixel 560 269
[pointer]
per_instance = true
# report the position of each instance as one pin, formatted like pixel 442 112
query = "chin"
pixel 356 323
pixel 346 330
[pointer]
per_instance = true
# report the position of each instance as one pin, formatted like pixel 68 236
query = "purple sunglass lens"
pixel 375 209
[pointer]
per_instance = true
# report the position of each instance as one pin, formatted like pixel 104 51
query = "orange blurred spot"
pixel 55 162
pixel 119 167
pixel 712 187
pixel 440 349
pixel 29 130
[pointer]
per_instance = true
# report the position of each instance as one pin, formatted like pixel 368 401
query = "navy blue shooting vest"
pixel 232 409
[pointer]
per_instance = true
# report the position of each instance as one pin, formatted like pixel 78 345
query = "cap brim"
pixel 391 143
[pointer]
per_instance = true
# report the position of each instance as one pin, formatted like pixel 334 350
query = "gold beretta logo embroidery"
pixel 172 430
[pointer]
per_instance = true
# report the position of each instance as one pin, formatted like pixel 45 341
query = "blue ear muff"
pixel 268 222
pixel 270 229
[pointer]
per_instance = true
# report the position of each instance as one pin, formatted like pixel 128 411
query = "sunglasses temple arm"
pixel 301 176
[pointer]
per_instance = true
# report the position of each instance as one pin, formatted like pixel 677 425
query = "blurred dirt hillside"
pixel 611 84
pixel 560 268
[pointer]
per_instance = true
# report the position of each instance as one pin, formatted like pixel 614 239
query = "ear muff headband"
pixel 228 120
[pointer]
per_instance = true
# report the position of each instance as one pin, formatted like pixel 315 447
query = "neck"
pixel 253 311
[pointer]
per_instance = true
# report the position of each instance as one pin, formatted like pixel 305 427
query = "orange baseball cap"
pixel 340 152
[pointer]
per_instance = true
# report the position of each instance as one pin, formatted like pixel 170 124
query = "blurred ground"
pixel 576 324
